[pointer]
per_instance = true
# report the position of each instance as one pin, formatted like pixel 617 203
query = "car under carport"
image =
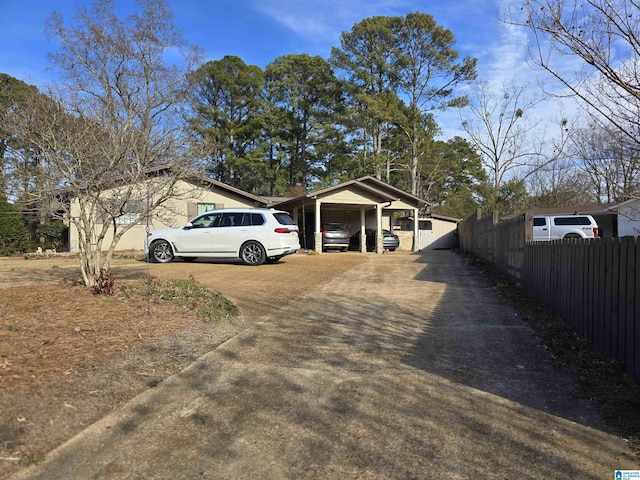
pixel 364 203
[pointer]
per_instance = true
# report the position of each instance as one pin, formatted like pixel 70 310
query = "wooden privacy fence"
pixel 501 243
pixel 593 285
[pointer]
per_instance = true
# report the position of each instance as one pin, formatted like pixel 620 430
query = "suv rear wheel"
pixel 252 253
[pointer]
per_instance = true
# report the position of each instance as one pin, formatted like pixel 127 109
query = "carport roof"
pixel 376 188
pixel 393 191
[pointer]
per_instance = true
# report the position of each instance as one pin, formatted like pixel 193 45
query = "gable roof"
pixel 373 186
pixel 369 180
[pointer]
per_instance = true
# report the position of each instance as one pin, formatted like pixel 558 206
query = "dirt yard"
pixel 68 357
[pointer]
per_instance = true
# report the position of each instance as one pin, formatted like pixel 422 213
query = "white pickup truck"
pixel 555 227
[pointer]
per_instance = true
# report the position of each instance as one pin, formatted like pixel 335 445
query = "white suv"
pixel 253 235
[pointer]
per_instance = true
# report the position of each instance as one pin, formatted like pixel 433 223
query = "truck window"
pixel 571 221
pixel 539 221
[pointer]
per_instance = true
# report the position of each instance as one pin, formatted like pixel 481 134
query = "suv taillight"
pixel 595 232
pixel 283 230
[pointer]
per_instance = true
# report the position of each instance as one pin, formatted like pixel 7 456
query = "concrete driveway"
pixel 406 366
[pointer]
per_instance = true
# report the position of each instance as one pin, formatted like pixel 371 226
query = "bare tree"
pixel 560 183
pixel 105 144
pixel 611 165
pixel 503 130
pixel 603 38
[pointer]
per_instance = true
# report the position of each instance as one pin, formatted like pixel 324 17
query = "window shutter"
pixel 148 215
pixel 192 210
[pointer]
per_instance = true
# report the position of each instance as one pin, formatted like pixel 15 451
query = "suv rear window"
pixel 571 221
pixel 335 227
pixel 283 218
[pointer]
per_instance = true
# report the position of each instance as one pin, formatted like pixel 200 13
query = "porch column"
pixel 317 235
pixel 363 236
pixel 416 239
pixel 295 215
pixel 379 248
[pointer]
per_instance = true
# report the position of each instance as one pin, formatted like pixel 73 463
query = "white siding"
pixel 629 219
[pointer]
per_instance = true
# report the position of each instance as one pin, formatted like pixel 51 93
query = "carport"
pixel 362 203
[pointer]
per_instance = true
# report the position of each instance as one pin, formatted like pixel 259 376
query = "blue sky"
pixel 259 31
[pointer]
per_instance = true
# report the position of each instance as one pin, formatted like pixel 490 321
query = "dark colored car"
pixel 335 236
pixel 390 241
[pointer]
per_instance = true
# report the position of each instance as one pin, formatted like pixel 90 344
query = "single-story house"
pixel 363 203
pixel 191 198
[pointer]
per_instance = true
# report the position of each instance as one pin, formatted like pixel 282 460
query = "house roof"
pixel 623 204
pixel 442 217
pixel 588 209
pixel 215 184
pixel 207 182
pixel 433 216
pixel 276 200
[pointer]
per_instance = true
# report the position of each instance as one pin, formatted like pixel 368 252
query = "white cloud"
pixel 325 20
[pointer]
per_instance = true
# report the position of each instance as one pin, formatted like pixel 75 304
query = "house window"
pixel 131 213
pixel 205 207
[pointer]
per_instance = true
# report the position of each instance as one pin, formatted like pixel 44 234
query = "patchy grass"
pixel 597 377
pixel 187 294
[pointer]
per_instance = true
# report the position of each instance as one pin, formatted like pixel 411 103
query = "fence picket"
pixel 613 313
pixel 605 317
pixel 629 245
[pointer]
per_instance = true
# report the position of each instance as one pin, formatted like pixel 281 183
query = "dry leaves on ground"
pixel 46 329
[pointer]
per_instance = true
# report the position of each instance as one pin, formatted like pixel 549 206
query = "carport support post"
pixel 363 235
pixel 317 236
pixel 416 222
pixel 379 248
